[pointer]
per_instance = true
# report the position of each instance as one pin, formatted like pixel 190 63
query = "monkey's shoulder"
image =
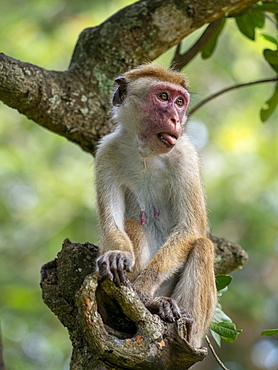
pixel 109 148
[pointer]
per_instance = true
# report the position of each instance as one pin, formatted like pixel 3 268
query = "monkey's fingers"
pixel 189 323
pixel 123 264
pixel 117 268
pixel 114 269
pixel 112 265
pixel 165 312
pixel 166 308
pixel 127 265
pixel 176 311
pixel 104 267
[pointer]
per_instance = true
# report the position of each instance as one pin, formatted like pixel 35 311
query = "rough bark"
pixel 228 255
pixel 109 327
pixel 75 103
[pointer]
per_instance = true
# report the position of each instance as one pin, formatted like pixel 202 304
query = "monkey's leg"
pixel 195 290
pixel 192 260
pixel 164 306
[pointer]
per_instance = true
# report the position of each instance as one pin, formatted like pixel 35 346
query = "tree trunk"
pixel 109 327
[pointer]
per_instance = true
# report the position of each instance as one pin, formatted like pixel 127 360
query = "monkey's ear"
pixel 121 91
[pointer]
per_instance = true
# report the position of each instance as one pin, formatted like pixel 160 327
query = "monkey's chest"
pixel 149 202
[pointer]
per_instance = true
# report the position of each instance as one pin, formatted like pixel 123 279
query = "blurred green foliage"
pixel 46 187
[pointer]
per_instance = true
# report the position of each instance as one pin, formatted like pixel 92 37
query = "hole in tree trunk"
pixel 116 322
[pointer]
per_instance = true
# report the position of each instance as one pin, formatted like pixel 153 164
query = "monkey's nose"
pixel 174 120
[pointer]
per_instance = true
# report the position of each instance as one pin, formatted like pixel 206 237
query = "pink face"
pixel 164 110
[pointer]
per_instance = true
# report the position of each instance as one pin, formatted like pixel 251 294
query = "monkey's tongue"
pixel 167 139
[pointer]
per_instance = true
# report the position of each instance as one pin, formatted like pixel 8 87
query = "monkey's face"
pixel 163 116
pixel 152 110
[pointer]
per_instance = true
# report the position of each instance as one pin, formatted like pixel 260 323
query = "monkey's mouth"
pixel 167 138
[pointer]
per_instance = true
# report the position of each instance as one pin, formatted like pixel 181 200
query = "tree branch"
pixel 228 255
pixel 153 344
pixel 62 102
pixel 227 89
pixel 75 103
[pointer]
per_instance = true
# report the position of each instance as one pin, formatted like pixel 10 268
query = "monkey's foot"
pixel 189 322
pixel 168 310
pixel 165 307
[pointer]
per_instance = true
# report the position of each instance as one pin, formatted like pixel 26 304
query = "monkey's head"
pixel 151 102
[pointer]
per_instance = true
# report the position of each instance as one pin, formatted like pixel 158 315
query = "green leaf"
pixel 219 315
pixel 270 7
pixel 269 38
pixel 258 19
pixel 226 329
pixel 270 105
pixel 211 44
pixel 223 327
pixel 272 57
pixel 246 26
pixel 269 332
pixel 216 337
pixel 222 281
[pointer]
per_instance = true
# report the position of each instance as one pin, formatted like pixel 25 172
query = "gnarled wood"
pixel 109 327
pixel 153 344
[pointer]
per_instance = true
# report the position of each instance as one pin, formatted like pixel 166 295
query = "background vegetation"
pixel 46 187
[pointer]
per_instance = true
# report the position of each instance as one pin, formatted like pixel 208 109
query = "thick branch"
pixel 228 255
pixel 152 345
pixel 160 23
pixel 75 103
pixel 60 101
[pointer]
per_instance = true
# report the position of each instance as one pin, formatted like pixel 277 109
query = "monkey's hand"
pixel 112 264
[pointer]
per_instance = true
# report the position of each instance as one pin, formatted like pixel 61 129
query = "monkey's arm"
pixel 116 248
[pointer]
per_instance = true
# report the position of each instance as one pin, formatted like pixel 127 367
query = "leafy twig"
pixel 181 60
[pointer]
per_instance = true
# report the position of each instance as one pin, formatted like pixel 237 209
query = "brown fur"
pixel 159 73
pixel 167 255
pixel 136 234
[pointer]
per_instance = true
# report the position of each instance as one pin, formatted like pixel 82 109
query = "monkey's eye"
pixel 180 102
pixel 163 96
